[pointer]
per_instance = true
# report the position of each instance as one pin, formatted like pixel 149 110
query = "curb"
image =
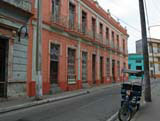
pixel 35 103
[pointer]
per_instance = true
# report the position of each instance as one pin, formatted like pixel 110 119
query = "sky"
pixel 127 13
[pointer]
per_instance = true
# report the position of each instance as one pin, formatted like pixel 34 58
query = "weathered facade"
pixel 82 45
pixel 13 50
pixel 154 55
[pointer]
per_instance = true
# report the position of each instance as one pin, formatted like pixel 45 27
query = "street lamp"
pixel 22 33
pixel 152 48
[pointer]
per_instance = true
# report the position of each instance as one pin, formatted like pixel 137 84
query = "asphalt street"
pixel 95 106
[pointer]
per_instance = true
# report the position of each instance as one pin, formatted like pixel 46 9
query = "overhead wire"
pixel 157 10
pixel 147 20
pixel 123 20
pixel 133 29
pixel 126 23
pixel 135 35
pixel 155 7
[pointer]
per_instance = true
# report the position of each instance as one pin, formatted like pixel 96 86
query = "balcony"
pixel 107 42
pixel 155 54
pixel 112 45
pixel 121 49
pixel 26 5
pixel 63 23
pixel 125 53
pixel 99 37
pixel 60 21
pixel 118 49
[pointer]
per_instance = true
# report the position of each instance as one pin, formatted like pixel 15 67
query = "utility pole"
pixel 39 52
pixel 145 53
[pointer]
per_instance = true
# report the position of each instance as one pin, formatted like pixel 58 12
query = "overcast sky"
pixel 128 13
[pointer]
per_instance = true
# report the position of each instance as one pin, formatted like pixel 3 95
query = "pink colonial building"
pixel 82 45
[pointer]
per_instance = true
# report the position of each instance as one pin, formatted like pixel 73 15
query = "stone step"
pixel 85 85
pixel 55 89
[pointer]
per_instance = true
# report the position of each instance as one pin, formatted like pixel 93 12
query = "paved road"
pixel 96 106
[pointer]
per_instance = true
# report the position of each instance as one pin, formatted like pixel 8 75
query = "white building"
pixel 154 54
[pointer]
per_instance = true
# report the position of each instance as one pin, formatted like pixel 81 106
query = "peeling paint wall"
pixel 12 19
pixel 20 60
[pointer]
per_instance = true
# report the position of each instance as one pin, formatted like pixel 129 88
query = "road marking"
pixel 113 117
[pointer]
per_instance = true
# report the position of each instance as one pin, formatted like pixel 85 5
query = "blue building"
pixel 135 62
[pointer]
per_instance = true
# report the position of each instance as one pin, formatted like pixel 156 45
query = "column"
pixel 79 65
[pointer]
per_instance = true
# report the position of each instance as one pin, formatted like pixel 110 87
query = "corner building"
pixel 82 46
pixel 14 15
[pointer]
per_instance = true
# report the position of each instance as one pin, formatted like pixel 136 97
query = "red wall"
pixel 65 42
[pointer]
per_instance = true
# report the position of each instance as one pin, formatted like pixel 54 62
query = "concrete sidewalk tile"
pixel 150 111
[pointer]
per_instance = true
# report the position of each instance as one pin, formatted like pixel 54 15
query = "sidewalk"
pixel 150 111
pixel 12 104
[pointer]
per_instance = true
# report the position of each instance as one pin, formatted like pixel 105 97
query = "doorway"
pixel 54 63
pixel 94 68
pixel 3 67
pixel 113 71
pixel 101 69
pixel 94 27
pixel 84 67
pixel 54 72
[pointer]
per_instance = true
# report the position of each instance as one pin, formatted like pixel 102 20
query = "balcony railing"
pixel 121 50
pixel 118 49
pixel 125 53
pixel 107 42
pixel 99 37
pixel 64 23
pixel 59 20
pixel 23 4
pixel 112 45
pixel 155 54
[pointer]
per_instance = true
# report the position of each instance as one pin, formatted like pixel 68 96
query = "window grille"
pixel 159 64
pixel 84 66
pixel 71 66
pixel 118 67
pixel 94 27
pixel 158 48
pixel 71 15
pixel 55 10
pixel 108 67
pixel 118 41
pixel 54 52
pixel 84 22
pixel 101 29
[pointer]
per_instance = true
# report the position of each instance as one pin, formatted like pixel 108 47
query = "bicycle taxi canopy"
pixel 135 86
pixel 133 72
